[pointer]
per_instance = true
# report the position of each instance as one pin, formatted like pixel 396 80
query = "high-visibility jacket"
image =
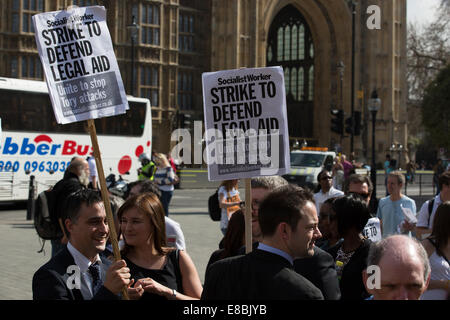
pixel 147 171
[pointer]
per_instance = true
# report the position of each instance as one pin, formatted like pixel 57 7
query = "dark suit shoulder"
pixel 278 280
pixel 49 281
pixel 320 270
pixel 290 285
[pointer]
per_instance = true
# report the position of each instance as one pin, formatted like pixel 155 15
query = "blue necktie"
pixel 94 270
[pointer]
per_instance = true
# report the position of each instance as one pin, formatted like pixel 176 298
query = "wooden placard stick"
pixel 248 215
pixel 105 197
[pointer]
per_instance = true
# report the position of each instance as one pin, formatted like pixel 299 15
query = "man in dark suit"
pixel 319 268
pixel 77 272
pixel 288 223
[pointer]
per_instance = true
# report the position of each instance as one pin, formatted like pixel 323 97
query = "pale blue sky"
pixel 421 11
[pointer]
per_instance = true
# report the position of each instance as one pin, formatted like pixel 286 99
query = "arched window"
pixel 290 46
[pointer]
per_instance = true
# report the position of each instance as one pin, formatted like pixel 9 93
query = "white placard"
pixel 238 106
pixel 410 217
pixel 79 63
pixel 372 230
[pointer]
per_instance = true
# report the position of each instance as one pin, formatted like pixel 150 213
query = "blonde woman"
pixel 165 179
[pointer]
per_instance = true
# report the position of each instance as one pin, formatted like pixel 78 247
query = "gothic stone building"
pixel 312 40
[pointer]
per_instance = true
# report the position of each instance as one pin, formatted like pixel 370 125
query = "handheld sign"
pixel 83 78
pixel 246 123
pixel 79 63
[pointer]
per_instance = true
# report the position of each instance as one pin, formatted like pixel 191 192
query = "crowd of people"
pixel 339 243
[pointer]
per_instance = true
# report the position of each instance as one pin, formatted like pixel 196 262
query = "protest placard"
pixel 246 123
pixel 83 78
pixel 79 63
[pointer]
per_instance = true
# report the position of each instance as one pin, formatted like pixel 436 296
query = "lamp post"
pixel 133 29
pixel 374 105
pixel 352 4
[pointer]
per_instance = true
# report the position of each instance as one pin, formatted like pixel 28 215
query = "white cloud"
pixel 421 11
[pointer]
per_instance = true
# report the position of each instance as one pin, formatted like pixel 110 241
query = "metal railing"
pixel 420 184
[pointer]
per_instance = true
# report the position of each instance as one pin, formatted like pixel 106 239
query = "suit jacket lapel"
pixel 66 261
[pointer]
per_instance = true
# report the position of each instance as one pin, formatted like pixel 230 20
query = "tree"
pixel 428 52
pixel 435 109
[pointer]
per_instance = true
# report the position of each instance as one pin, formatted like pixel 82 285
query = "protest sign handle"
pixel 105 197
pixel 248 216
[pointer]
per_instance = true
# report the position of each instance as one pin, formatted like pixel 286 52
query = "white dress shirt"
pixel 320 197
pixel 84 263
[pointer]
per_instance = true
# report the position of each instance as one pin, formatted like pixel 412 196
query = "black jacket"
pixel 320 270
pixel 50 281
pixel 257 275
pixel 351 284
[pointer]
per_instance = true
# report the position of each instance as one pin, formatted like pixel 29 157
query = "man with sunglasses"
pixel 326 189
pixel 362 186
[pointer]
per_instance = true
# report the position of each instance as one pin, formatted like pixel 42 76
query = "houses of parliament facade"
pixel 317 42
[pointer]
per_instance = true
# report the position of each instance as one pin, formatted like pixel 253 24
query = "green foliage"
pixel 436 109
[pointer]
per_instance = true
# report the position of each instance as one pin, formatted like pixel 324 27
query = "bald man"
pixel 403 269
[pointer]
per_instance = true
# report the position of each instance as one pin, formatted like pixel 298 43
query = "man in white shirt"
pixel 93 184
pixel 326 189
pixel 78 272
pixel 425 218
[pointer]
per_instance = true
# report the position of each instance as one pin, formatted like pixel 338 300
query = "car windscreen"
pixel 307 160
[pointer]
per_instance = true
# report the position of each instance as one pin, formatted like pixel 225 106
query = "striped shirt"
pixel 165 178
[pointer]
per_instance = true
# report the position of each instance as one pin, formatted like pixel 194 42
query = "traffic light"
pixel 349 125
pixel 337 121
pixel 357 123
pixel 184 121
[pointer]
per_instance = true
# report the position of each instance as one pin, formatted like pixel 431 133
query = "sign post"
pixel 246 128
pixel 83 78
pixel 248 215
pixel 105 197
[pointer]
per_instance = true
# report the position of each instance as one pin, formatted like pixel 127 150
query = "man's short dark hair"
pixel 75 201
pixel 284 204
pixel 358 178
pixel 444 178
pixel 321 173
pixel 351 212
pixel 146 186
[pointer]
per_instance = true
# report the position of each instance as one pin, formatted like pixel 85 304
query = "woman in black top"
pixel 350 256
pixel 158 272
